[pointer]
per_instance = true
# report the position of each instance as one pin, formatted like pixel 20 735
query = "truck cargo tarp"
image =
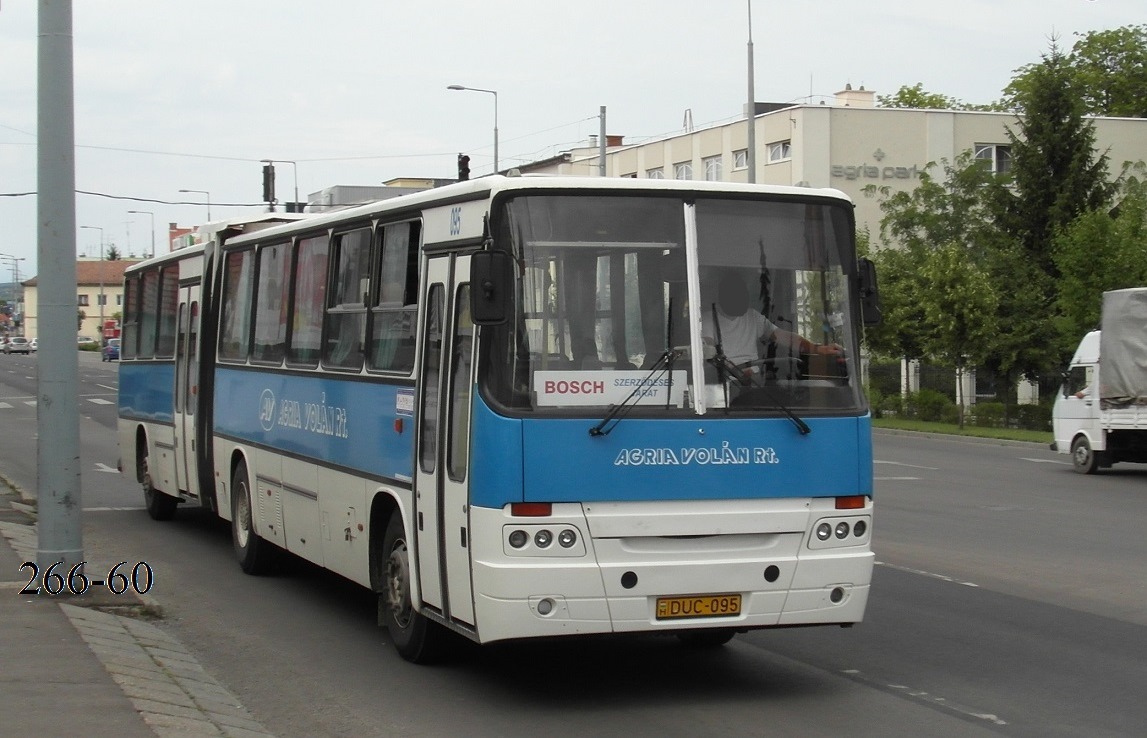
pixel 1123 348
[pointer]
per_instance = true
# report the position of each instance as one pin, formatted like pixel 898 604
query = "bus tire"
pixel 1083 458
pixel 255 554
pixel 159 506
pixel 707 638
pixel 415 638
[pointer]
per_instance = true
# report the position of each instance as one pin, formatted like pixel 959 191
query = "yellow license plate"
pixel 698 606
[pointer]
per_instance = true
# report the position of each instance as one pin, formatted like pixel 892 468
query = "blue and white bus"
pixel 498 406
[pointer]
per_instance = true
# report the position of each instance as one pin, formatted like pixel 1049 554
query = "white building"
pixel 847 145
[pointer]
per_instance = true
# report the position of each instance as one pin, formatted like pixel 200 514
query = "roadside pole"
pixel 59 509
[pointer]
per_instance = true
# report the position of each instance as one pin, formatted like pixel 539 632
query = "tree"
pixel 1056 173
pixel 1108 68
pixel 916 97
pixel 959 305
pixel 1101 251
pixel 112 253
pixel 954 210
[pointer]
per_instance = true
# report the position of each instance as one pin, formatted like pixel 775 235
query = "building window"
pixel 683 170
pixel 713 168
pixel 996 158
pixel 83 301
pixel 102 300
pixel 780 151
pixel 118 300
pixel 741 159
pixel 657 173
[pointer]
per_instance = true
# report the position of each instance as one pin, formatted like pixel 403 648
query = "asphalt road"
pixel 1008 600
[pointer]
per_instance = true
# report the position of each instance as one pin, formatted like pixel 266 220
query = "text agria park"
pixel 702 456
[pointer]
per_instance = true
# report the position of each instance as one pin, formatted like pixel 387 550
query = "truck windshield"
pixel 603 297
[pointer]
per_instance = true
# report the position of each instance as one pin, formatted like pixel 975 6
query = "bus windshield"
pixel 602 312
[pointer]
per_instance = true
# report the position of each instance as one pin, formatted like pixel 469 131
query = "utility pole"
pixel 59 505
pixel 751 110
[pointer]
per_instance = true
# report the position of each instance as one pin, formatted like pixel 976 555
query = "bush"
pixel 988 414
pixel 1034 417
pixel 930 405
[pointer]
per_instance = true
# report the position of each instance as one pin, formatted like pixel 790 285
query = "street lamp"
pixel 206 194
pixel 495 94
pixel 100 270
pixel 148 212
pixel 294 168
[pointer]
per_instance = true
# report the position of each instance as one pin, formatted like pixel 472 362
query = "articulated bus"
pixel 498 405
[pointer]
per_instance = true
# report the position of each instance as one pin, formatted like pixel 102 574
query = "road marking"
pixel 896 479
pixel 917 694
pixel 910 466
pixel 101 467
pixel 99 401
pixel 1046 461
pixel 921 572
pixel 5 406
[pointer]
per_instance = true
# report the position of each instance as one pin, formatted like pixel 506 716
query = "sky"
pixel 177 95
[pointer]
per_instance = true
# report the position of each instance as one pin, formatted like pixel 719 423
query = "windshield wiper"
pixel 726 368
pixel 664 362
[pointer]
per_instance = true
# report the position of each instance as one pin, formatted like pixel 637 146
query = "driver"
pixel 743 328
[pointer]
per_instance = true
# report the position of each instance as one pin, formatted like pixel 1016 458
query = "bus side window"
pixel 346 317
pixel 394 314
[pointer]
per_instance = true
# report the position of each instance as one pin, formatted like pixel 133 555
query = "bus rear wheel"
pixel 256 556
pixel 415 638
pixel 159 506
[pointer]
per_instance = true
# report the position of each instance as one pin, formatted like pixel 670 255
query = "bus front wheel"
pixel 255 554
pixel 415 638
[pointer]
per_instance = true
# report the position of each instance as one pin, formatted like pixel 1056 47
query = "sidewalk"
pixel 98 664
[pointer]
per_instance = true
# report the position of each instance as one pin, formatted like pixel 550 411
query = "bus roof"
pixel 493 185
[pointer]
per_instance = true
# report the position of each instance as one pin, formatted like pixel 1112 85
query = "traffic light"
pixel 463 167
pixel 269 183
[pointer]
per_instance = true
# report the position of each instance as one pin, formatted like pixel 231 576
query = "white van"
pixel 1100 415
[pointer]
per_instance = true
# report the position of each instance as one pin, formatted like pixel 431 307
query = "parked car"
pixel 18 345
pixel 87 343
pixel 111 350
pixel 34 343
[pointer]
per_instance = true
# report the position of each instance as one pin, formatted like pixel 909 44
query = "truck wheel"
pixel 415 638
pixel 1083 459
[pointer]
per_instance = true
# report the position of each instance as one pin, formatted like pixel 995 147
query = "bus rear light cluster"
pixel 543 540
pixel 829 532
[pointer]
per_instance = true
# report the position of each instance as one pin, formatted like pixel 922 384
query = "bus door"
pixel 441 483
pixel 186 388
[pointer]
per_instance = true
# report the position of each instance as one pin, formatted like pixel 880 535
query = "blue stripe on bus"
pixel 678 459
pixel 329 419
pixel 145 391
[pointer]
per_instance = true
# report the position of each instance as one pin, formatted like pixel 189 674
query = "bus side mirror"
pixel 490 283
pixel 869 294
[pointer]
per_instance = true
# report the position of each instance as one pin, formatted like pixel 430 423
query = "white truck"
pixel 1100 415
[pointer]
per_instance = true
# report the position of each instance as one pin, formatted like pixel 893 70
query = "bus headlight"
pixel 841 530
pixel 543 538
pixel 567 538
pixel 518 538
pixel 823 531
